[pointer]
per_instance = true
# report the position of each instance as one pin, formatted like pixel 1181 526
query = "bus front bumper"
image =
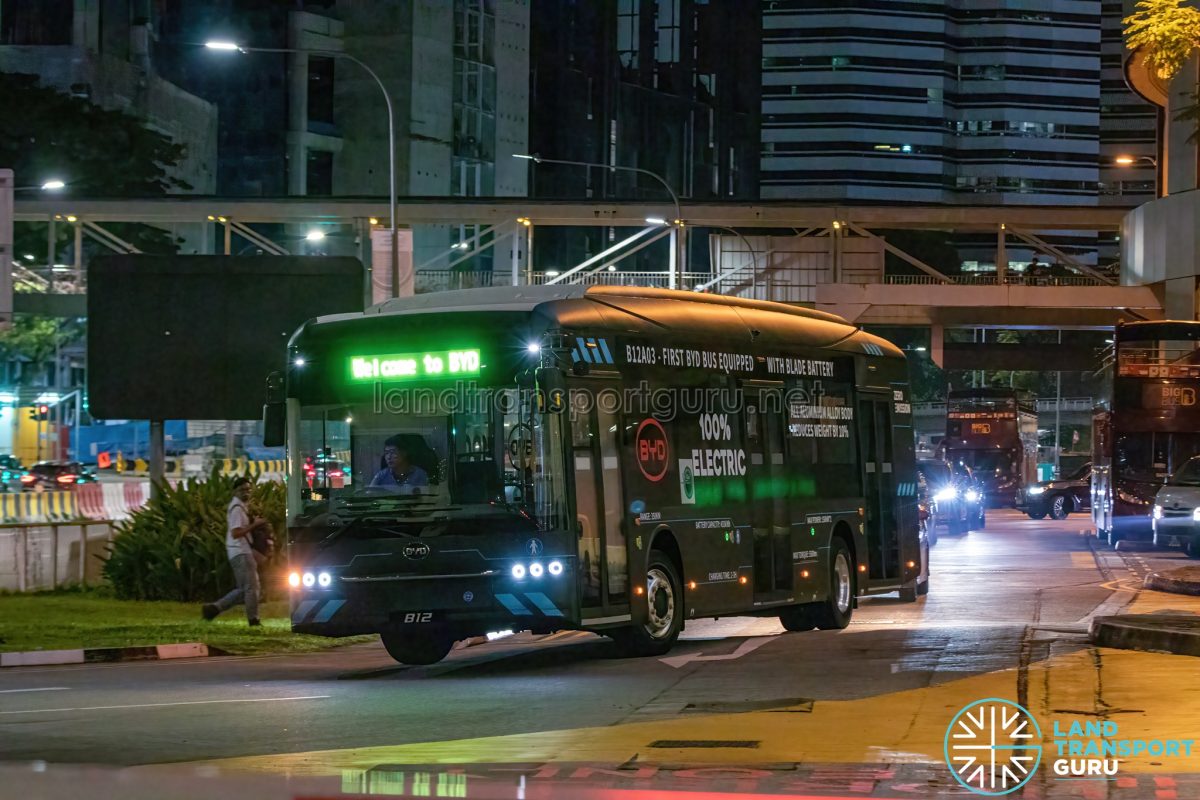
pixel 465 605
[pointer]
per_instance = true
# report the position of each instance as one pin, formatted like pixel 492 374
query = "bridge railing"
pixel 992 280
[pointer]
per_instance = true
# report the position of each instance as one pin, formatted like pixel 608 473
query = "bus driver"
pixel 399 471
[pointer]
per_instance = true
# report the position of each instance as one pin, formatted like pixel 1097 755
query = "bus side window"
pixel 609 433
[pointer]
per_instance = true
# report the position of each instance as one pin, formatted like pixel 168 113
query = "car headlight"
pixel 1157 512
pixel 1035 490
pixel 972 496
pixel 949 493
pixel 1196 515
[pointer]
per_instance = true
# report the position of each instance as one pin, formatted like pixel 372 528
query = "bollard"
pixel 83 526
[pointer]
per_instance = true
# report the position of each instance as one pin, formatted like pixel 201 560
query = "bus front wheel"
pixel 834 613
pixel 664 611
pixel 416 650
pixel 798 619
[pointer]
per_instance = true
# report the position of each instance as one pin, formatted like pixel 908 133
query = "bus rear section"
pixel 994 432
pixel 1151 427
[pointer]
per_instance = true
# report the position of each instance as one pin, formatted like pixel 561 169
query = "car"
pixel 956 499
pixel 51 476
pixel 1175 516
pixel 1058 498
pixel 323 470
pixel 11 471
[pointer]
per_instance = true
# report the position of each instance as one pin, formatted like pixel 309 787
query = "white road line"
pixel 162 705
pixel 42 689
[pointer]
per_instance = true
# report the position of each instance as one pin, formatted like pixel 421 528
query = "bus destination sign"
pixel 414 366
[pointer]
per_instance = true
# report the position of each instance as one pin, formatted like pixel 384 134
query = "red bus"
pixel 1150 427
pixel 994 432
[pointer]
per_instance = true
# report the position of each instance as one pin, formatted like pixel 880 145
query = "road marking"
pixel 748 646
pixel 163 705
pixel 42 689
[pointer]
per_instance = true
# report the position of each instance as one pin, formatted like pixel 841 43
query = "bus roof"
pixel 1157 330
pixel 639 309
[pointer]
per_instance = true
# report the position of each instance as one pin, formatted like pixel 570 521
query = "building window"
pixel 474 29
pixel 320 89
pixel 666 50
pixel 628 16
pixel 318 178
pixel 839 61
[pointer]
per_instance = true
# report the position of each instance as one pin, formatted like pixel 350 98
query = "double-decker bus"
pixel 611 459
pixel 1149 429
pixel 994 432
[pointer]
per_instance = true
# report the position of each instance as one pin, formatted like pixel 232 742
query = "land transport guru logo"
pixel 994 747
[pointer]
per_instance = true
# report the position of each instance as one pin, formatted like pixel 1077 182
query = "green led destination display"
pixel 414 366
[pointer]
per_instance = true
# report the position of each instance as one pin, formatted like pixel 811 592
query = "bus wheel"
pixel 664 616
pixel 799 618
pixel 908 594
pixel 834 613
pixel 417 650
pixel 1058 507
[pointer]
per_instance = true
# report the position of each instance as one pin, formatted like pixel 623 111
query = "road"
pixel 1006 617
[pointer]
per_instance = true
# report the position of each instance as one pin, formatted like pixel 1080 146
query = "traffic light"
pixel 43 412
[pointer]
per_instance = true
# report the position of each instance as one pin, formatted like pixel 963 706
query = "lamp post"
pixel 678 245
pixel 387 98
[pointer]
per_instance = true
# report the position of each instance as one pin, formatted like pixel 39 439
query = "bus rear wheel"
pixel 416 650
pixel 664 612
pixel 835 611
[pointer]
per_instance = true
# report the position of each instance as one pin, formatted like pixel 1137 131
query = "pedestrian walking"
pixel 240 531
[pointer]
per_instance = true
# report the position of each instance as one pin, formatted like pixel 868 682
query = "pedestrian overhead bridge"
pixel 843 259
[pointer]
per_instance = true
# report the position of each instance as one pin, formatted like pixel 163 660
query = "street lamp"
pixel 1129 161
pixel 677 249
pixel 387 98
pixel 51 185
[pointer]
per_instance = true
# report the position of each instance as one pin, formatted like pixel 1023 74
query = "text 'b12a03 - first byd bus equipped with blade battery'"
pixel 612 459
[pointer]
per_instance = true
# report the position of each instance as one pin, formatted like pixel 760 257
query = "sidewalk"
pixel 1165 619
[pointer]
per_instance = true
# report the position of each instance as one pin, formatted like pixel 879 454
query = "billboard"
pixel 194 337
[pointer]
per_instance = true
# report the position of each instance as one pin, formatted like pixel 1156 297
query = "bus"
pixel 994 432
pixel 610 459
pixel 1150 427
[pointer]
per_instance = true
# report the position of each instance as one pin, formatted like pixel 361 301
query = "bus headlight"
pixel 324 579
pixel 308 580
pixel 946 494
pixel 536 570
pixel 1196 515
pixel 555 567
pixel 972 496
pixel 518 571
pixel 1157 512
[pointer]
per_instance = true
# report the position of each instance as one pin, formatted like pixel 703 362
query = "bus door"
pixel 602 558
pixel 766 486
pixel 879 485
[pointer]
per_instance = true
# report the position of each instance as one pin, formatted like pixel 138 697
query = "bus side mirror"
pixel 274 424
pixel 275 412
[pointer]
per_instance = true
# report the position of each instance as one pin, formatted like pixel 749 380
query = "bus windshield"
pixel 985 462
pixel 456 456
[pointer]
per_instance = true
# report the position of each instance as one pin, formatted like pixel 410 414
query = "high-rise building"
pixel 102 51
pixel 670 86
pixel 1128 124
pixel 931 101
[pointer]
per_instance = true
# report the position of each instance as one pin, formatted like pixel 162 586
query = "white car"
pixel 1176 511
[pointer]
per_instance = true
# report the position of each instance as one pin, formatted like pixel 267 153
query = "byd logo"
pixel 651 449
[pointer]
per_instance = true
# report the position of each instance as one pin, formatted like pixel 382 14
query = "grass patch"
pixel 72 619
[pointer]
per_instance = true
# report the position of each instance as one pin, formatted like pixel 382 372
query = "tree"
pixel 1168 33
pixel 99 152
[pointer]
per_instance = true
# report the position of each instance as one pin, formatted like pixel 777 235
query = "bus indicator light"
pixel 536 570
